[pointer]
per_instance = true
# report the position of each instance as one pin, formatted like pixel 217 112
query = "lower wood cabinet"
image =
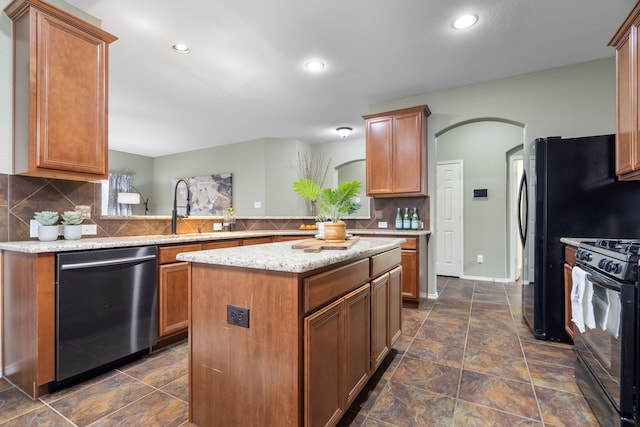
pixel 569 260
pixel 173 303
pixel 335 334
pixel 386 316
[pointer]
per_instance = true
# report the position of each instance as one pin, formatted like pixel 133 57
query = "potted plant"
pixel 310 190
pixel 47 225
pixel 72 229
pixel 332 203
pixel 229 220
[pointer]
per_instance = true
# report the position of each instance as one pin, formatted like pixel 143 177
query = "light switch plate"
pixel 88 229
pixel 257 205
pixel 33 228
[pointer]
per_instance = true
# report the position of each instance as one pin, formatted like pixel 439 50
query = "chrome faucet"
pixel 174 214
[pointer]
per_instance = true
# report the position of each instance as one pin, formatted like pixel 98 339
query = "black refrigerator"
pixel 568 189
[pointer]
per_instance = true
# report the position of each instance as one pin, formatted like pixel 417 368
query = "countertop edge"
pixel 91 243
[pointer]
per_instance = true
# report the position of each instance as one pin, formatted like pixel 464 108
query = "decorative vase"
pixel 335 232
pixel 72 232
pixel 320 228
pixel 47 233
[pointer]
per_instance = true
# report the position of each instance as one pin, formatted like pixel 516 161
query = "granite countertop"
pixel 575 241
pixel 89 243
pixel 281 257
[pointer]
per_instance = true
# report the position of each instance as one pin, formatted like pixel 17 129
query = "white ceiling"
pixel 244 78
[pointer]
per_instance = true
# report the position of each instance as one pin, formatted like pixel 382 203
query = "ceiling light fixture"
pixel 180 48
pixel 314 65
pixel 465 21
pixel 344 131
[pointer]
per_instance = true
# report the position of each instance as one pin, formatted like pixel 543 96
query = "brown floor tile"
pixel 161 370
pixel 427 376
pixel 178 388
pixel 511 396
pixel 403 342
pixel 542 351
pixel 443 332
pixel 13 403
pixel 501 327
pixel 156 409
pixel 557 377
pixel 448 354
pixel 43 416
pixel 471 415
pixel 94 402
pixel 502 345
pixel 510 367
pixel 406 406
pixel 564 409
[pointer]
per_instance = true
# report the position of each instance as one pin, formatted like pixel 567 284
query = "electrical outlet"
pixel 257 205
pixel 480 259
pixel 237 316
pixel 382 224
pixel 88 229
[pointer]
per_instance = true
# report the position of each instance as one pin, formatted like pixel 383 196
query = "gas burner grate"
pixel 607 243
pixel 632 248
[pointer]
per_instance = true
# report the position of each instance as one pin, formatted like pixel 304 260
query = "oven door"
pixel 605 351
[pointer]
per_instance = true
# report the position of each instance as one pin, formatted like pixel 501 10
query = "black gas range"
pixel 612 257
pixel 607 332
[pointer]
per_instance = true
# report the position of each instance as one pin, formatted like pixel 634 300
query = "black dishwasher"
pixel 106 307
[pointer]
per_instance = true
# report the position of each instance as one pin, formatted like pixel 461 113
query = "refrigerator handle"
pixel 523 198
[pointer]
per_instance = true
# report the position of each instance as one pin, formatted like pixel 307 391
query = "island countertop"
pixel 282 257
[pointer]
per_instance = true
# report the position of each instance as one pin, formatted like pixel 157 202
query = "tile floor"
pixel 465 359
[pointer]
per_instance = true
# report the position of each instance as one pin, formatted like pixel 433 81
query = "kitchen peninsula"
pixel 281 337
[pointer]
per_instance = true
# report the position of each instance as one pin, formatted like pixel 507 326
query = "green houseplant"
pixel 47 225
pixel 71 221
pixel 332 203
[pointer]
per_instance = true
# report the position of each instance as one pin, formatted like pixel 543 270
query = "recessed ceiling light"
pixel 180 48
pixel 314 65
pixel 465 22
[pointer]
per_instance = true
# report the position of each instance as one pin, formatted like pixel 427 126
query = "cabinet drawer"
pixel 385 261
pixel 167 254
pixel 570 254
pixel 222 244
pixel 256 241
pixel 323 288
pixel 410 243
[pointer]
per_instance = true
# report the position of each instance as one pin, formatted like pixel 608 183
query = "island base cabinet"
pixel 386 316
pixel 244 376
pixel 334 334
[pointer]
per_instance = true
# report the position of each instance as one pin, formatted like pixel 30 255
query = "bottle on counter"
pixel 398 220
pixel 415 221
pixel 406 220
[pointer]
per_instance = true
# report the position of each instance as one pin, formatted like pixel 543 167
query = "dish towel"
pixel 613 321
pixel 587 304
pixel 578 279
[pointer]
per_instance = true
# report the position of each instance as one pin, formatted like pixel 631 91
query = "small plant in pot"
pixel 47 225
pixel 72 221
pixel 333 203
pixel 229 219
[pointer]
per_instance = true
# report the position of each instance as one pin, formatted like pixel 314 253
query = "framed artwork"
pixel 210 194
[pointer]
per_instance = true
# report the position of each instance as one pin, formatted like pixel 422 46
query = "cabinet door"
pixel 408 154
pixel 410 283
pixel 625 122
pixel 173 302
pixel 395 305
pixel 568 282
pixel 357 344
pixel 324 366
pixel 379 155
pixel 379 316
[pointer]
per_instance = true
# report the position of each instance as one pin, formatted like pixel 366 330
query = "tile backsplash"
pixel 21 196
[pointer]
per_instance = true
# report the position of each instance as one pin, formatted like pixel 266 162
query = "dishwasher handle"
pixel 113 261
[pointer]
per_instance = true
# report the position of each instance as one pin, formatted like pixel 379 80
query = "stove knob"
pixel 610 266
pixel 602 263
pixel 589 256
pixel 617 268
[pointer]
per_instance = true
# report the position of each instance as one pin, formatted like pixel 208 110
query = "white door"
pixel 449 218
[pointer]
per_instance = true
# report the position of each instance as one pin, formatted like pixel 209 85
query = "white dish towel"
pixel 613 321
pixel 581 300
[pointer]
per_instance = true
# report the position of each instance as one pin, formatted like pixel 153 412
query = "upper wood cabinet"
pixel 60 93
pixel 627 94
pixel 396 152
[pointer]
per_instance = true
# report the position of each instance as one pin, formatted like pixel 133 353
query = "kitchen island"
pixel 281 337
